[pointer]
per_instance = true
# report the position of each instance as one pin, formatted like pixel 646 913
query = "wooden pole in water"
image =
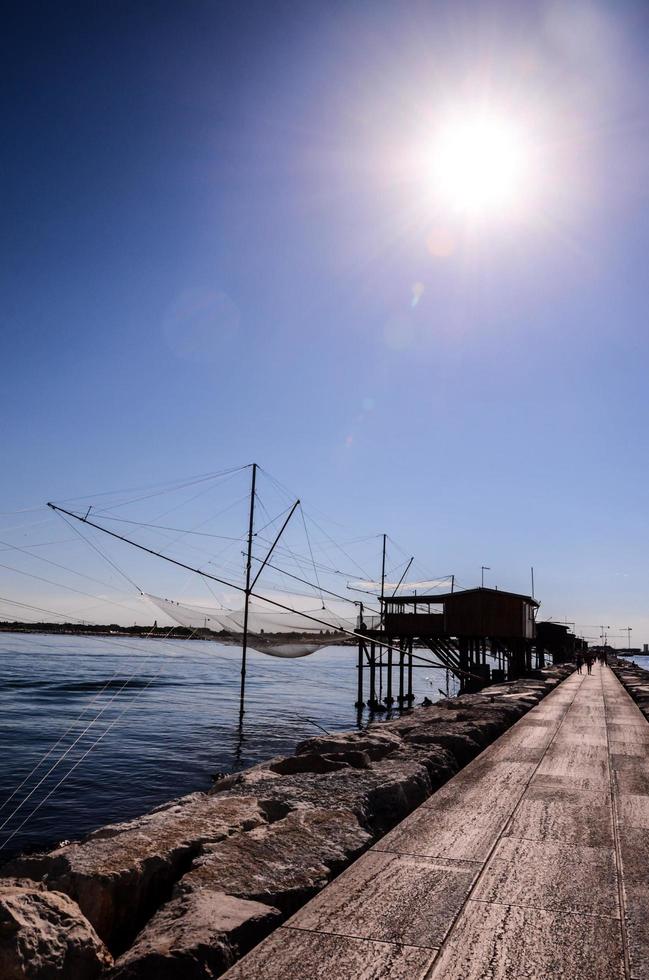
pixel 244 647
pixel 359 692
pixel 382 619
pixel 383 579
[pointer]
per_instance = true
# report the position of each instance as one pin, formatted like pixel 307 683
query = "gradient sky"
pixel 216 250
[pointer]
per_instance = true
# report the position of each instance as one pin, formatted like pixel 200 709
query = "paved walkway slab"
pixel 532 862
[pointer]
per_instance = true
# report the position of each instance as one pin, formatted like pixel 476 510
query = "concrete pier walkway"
pixel 532 862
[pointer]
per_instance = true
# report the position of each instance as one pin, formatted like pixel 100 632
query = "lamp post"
pixel 483 569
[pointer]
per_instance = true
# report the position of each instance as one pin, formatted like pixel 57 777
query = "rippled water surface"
pixel 151 720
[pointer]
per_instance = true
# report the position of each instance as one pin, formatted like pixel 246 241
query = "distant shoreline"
pixel 162 633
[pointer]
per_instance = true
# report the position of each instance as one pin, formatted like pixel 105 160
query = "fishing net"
pixel 391 587
pixel 263 622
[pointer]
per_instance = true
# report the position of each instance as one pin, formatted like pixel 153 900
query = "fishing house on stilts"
pixel 480 635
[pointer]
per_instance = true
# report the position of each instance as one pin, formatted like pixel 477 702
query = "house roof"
pixel 437 597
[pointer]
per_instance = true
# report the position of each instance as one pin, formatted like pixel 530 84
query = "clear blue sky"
pixel 212 254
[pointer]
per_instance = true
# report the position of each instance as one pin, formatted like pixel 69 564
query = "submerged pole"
pixel 244 647
pixel 372 701
pixel 359 690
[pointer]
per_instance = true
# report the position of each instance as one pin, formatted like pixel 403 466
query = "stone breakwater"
pixel 636 681
pixel 189 887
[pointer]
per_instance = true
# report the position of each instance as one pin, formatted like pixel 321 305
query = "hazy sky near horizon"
pixel 217 249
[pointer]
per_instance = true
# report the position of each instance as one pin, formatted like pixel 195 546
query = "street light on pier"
pixel 483 569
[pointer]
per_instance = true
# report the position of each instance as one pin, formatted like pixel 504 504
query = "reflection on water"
pixel 173 708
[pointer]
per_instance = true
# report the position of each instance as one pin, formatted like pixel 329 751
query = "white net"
pixel 263 622
pixel 390 587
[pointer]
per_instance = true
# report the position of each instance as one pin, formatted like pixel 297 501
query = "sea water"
pixel 143 721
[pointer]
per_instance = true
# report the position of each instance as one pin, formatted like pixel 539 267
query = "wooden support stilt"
pixel 463 647
pixel 372 700
pixel 359 689
pixel 389 700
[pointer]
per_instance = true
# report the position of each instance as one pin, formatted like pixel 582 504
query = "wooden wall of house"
pixel 488 614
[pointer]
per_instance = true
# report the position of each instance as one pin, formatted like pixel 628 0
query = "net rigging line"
pixel 336 545
pixel 201 493
pixel 93 721
pixel 59 740
pixel 425 572
pixel 100 713
pixel 79 761
pixel 170 643
pixel 51 612
pixel 286 493
pixel 106 557
pixel 158 489
pixel 29 524
pixel 302 558
pixel 181 531
pixel 283 489
pixel 113 564
pixel 110 561
pixel 56 564
pixel 40 544
pixel 344 598
pixel 325 567
pixel 273 520
pixel 61 585
pixel 165 527
pixel 315 570
pixel 275 543
pixel 198 571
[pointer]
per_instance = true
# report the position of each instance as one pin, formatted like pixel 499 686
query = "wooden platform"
pixel 532 862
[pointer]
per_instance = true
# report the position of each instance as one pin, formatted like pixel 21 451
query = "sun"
pixel 480 163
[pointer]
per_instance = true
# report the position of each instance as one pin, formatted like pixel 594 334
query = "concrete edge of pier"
pixel 530 862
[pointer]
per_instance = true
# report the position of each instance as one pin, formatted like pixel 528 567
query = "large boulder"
pixel 44 936
pixel 317 762
pixel 239 889
pixel 282 864
pixel 379 797
pixel 196 936
pixel 121 874
pixel 373 742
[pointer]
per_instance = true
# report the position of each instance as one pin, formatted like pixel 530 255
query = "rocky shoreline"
pixel 636 681
pixel 188 888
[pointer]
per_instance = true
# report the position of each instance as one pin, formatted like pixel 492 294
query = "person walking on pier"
pixel 589 663
pixel 579 662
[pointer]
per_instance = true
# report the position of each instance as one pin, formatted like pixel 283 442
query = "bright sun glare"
pixel 480 164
